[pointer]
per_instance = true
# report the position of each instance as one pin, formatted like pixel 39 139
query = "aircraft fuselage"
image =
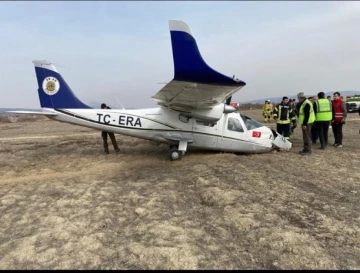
pixel 230 133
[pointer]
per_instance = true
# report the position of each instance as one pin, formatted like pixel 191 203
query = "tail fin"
pixel 53 90
pixel 188 63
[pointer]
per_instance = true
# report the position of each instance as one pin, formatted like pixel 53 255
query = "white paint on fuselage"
pixel 159 124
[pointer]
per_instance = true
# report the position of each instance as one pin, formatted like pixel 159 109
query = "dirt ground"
pixel 65 205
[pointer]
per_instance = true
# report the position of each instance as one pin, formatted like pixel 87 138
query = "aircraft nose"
pixel 263 136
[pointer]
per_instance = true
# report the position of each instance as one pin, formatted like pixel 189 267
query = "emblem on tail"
pixel 50 85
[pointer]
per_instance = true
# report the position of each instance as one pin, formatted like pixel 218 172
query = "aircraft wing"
pixel 195 85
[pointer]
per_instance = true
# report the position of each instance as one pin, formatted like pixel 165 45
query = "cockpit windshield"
pixel 250 123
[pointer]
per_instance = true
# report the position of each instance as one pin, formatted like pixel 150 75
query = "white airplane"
pixel 191 111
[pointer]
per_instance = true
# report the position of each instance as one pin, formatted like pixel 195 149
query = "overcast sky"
pixel 123 48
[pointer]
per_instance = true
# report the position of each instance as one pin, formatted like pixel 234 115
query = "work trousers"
pixel 113 140
pixel 337 130
pixel 307 137
pixel 284 130
pixel 314 133
pixel 323 132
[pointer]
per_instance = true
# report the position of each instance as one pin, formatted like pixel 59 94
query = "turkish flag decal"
pixel 256 134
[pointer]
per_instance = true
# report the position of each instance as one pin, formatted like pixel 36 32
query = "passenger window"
pixel 234 125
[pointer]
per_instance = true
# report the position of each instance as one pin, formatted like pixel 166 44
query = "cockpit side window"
pixel 250 123
pixel 234 125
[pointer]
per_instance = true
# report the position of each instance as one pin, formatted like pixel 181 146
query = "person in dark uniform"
pixel 314 130
pixel 111 135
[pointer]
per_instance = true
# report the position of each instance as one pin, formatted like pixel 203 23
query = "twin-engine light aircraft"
pixel 193 110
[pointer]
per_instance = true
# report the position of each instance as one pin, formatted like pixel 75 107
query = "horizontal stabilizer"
pixel 33 113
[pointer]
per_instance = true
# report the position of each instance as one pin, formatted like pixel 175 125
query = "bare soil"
pixel 66 205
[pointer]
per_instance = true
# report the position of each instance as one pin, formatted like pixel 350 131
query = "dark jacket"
pixel 315 108
pixel 286 111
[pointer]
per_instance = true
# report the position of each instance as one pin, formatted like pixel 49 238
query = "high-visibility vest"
pixel 324 110
pixel 301 112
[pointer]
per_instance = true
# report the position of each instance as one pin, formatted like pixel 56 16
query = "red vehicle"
pixel 235 104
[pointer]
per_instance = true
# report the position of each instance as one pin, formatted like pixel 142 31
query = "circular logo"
pixel 50 85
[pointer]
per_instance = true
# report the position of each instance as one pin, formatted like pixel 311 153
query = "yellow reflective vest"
pixel 301 112
pixel 323 110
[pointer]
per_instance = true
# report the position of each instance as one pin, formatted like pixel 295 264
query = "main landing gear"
pixel 177 151
pixel 174 153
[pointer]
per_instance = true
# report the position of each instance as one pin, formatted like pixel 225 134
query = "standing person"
pixel 323 114
pixel 329 98
pixel 306 119
pixel 314 132
pixel 339 115
pixel 267 110
pixel 111 135
pixel 294 110
pixel 283 114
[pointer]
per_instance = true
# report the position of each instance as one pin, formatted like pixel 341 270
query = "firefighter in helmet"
pixel 284 115
pixel 267 110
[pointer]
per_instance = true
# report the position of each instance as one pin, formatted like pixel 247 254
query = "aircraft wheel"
pixel 175 154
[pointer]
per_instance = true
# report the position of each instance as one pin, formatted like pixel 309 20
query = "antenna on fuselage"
pixel 123 108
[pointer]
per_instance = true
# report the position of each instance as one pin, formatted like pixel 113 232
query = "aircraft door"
pixel 205 134
pixel 234 133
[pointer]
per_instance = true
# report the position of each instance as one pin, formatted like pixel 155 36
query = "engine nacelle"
pixel 211 115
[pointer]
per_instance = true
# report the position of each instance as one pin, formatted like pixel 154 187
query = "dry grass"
pixel 65 205
pixel 14 118
pixel 4 119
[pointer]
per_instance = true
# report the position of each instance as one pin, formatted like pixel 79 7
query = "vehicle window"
pixel 352 100
pixel 250 123
pixel 234 125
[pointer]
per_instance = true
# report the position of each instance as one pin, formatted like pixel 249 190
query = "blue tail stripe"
pixel 189 64
pixel 64 98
